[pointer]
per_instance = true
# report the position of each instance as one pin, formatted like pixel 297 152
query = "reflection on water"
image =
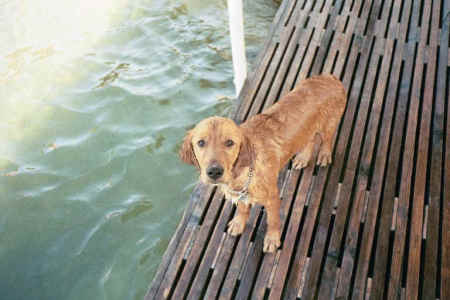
pixel 95 99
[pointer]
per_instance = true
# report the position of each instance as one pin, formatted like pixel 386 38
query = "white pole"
pixel 236 21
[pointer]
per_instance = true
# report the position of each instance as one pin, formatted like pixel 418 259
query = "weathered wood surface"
pixel 376 223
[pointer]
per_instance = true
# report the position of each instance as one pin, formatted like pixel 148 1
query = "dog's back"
pixel 314 106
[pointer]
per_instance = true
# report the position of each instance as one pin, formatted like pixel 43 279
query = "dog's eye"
pixel 201 143
pixel 229 143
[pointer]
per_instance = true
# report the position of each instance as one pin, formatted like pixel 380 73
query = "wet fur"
pixel 266 142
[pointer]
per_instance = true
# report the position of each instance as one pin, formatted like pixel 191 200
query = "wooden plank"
pixel 391 172
pixel 329 275
pixel 292 229
pixel 321 237
pixel 327 36
pixel 294 7
pixel 442 80
pixel 300 257
pixel 254 260
pixel 300 13
pixel 256 82
pixel 297 268
pixel 365 251
pixel 377 180
pixel 210 254
pixel 294 54
pixel 380 258
pixel 415 238
pixel 253 79
pixel 407 163
pixel 268 261
pixel 198 201
pixel 192 261
pixel 349 251
pixel 238 259
pixel 304 184
pixel 320 242
pixel 221 267
pixel 278 59
pixel 388 197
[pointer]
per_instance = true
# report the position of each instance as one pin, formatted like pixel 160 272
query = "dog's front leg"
pixel 273 235
pixel 237 225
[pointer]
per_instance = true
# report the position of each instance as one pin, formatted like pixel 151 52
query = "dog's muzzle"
pixel 214 171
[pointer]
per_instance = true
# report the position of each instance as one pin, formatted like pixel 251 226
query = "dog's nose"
pixel 214 171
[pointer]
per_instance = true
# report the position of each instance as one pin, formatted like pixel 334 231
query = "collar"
pixel 242 195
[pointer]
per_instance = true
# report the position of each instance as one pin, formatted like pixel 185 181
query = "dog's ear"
pixel 245 156
pixel 186 152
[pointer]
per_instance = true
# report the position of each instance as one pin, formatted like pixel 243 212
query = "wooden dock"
pixel 374 224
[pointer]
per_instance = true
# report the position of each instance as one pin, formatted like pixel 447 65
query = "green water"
pixel 95 98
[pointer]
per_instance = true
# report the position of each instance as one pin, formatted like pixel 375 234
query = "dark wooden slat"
pixel 297 269
pixel 321 237
pixel 300 14
pixel 392 169
pixel 362 267
pixel 197 203
pixel 432 225
pixel 168 281
pixel 268 260
pixel 300 257
pixel 255 256
pixel 386 209
pixel 239 256
pixel 294 52
pixel 278 59
pixel 350 249
pixel 415 238
pixel 192 260
pixel 329 274
pixel 353 228
pixel 442 81
pixel 407 163
pixel 391 173
pixel 388 195
pixel 327 36
pixel 210 254
pixel 252 80
pixel 221 268
pixel 260 73
pixel 320 242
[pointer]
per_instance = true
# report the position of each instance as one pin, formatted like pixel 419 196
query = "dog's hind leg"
pixel 304 156
pixel 324 156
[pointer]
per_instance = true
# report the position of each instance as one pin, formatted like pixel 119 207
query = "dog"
pixel 244 160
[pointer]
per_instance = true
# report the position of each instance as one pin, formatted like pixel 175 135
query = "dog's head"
pixel 218 148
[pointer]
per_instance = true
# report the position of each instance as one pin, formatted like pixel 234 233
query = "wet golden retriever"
pixel 245 160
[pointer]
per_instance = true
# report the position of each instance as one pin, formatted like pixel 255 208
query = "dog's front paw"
pixel 236 226
pixel 271 241
pixel 324 157
pixel 300 162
